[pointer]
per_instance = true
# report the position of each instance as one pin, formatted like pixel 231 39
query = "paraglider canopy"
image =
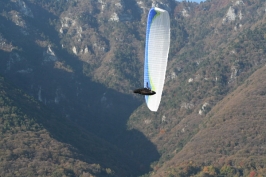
pixel 156 55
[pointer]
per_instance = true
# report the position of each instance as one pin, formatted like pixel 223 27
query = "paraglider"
pixel 156 56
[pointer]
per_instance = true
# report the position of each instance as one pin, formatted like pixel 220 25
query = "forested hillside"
pixel 68 68
pixel 231 138
pixel 36 141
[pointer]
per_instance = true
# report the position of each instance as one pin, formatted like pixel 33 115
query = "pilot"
pixel 145 91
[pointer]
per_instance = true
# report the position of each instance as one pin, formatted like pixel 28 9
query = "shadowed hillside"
pixel 34 134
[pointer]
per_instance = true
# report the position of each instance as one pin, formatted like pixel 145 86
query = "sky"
pixel 198 1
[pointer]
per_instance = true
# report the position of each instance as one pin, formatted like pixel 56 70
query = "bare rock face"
pixel 17 19
pixel 114 10
pixel 235 14
pixel 171 76
pixel 146 5
pixel 230 15
pixel 185 13
pixel 23 8
pixel 161 4
pixel 204 108
pixel 117 4
pixel 187 105
pixel 49 55
pixel 5 45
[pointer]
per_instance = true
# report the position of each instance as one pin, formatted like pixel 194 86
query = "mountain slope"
pixel 233 132
pixel 217 57
pixel 36 137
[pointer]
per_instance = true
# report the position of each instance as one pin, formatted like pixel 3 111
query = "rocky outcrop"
pixel 23 8
pixel 185 13
pixel 230 15
pixel 187 105
pixel 162 4
pixel 114 10
pixel 171 76
pixel 204 108
pixel 235 13
pixel 49 55
pixel 5 45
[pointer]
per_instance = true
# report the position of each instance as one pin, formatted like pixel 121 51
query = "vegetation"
pixel 34 136
pixel 211 171
pixel 82 65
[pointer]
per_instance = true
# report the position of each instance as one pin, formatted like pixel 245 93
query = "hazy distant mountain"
pixel 80 60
